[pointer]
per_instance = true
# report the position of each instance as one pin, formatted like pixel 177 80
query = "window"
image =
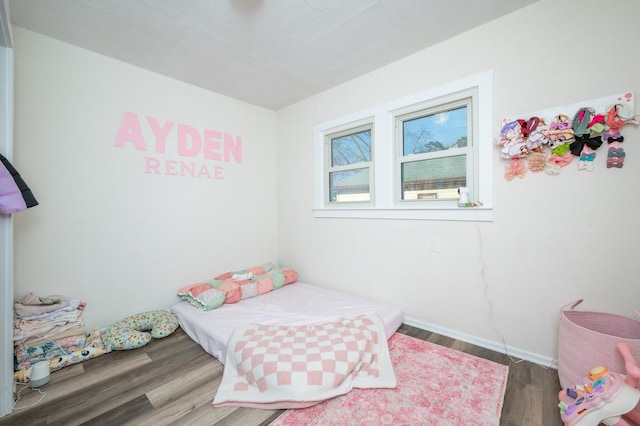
pixel 434 149
pixel 349 165
pixel 407 159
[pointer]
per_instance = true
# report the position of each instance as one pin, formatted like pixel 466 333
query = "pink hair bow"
pixel 515 169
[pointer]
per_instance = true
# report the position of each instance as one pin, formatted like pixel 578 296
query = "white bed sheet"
pixel 294 304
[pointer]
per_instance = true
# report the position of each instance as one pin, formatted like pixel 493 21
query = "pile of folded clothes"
pixel 46 327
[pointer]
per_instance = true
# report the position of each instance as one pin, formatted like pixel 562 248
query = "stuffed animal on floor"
pixel 131 332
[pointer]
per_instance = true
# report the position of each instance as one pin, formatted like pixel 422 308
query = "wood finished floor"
pixel 172 381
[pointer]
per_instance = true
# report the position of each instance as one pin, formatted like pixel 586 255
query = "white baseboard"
pixel 488 344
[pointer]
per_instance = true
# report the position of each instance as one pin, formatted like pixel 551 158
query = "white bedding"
pixel 294 304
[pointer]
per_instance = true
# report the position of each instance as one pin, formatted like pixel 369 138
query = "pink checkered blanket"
pixel 281 367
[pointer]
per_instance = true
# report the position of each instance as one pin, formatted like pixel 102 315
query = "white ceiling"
pixel 269 53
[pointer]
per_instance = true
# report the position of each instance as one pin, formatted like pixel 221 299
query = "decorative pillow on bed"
pixel 247 274
pixel 233 286
pixel 203 295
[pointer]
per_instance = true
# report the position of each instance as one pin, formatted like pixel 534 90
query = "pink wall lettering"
pixel 188 141
pixel 182 168
pixel 160 133
pixel 212 145
pixel 130 131
pixel 182 140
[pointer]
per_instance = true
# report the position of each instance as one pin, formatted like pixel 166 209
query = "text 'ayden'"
pixel 196 150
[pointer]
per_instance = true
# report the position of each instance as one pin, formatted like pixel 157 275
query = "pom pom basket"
pixel 588 339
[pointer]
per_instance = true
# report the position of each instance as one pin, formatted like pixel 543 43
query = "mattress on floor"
pixel 294 304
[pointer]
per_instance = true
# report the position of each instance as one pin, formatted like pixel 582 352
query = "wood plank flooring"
pixel 172 381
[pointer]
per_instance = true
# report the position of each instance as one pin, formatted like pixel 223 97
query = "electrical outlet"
pixel 435 245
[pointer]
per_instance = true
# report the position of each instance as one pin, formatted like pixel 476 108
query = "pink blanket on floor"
pixel 274 367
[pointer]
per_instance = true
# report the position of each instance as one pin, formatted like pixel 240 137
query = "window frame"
pixel 384 196
pixel 352 128
pixel 466 99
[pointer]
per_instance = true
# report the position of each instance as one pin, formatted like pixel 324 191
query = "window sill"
pixel 475 214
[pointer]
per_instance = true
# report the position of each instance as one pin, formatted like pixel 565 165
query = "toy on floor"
pixel 604 396
pixel 131 332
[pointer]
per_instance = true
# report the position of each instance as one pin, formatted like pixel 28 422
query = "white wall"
pixel 105 231
pixel 553 239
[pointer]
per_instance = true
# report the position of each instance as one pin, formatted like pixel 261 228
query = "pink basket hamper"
pixel 588 339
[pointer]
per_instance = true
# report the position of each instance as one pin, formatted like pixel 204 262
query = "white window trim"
pixel 384 205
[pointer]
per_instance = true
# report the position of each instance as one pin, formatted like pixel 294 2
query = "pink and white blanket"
pixel 281 367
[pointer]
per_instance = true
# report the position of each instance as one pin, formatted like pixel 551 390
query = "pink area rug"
pixel 436 386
